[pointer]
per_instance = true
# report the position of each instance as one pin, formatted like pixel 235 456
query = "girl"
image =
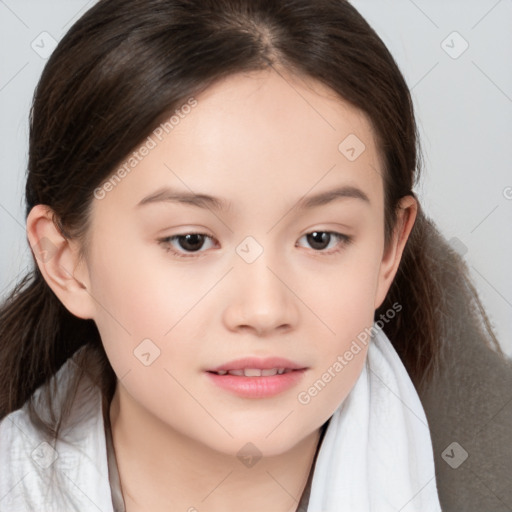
pixel 237 301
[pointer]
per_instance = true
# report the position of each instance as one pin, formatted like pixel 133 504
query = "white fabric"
pixel 77 480
pixel 376 454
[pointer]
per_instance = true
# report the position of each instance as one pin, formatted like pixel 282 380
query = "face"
pixel 282 270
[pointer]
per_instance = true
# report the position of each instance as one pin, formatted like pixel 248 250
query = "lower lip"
pixel 257 387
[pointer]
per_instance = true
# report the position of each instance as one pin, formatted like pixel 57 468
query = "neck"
pixel 161 469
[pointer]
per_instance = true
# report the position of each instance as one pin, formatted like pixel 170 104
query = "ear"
pixel 58 260
pixel 407 211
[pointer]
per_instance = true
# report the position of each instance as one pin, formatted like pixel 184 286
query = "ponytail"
pixel 37 336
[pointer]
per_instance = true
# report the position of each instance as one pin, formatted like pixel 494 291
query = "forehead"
pixel 270 114
pixel 253 136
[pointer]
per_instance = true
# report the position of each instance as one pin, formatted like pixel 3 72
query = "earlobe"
pixel 407 211
pixel 58 260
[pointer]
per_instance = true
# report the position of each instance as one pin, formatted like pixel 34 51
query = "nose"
pixel 261 300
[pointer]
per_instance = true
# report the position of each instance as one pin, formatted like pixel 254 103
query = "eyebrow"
pixel 167 195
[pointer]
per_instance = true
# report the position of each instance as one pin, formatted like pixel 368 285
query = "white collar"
pixel 73 474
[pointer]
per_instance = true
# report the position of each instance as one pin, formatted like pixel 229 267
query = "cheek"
pixel 127 304
pixel 130 288
pixel 343 293
pixel 345 303
pixel 340 354
pixel 145 305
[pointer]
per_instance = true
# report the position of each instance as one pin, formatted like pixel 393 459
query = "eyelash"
pixel 166 243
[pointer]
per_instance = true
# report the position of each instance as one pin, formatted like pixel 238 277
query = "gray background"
pixel 463 99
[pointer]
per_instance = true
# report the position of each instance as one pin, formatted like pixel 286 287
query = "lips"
pixel 257 378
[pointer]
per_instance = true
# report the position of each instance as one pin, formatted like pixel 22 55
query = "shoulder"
pixel 469 409
pixel 37 473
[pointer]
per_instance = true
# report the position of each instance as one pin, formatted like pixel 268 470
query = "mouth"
pixel 257 367
pixel 255 372
pixel 257 378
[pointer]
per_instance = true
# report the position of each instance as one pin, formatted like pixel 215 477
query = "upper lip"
pixel 267 363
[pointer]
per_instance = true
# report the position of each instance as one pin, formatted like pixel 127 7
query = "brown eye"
pixel 322 240
pixel 191 242
pixel 319 239
pixel 185 245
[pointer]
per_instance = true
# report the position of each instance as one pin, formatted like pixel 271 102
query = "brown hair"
pixel 124 66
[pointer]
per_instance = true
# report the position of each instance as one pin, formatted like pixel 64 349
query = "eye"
pixel 322 240
pixel 185 243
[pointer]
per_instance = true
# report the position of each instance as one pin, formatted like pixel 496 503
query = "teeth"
pixel 255 372
pixel 252 372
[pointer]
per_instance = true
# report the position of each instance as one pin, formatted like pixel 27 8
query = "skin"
pixel 261 141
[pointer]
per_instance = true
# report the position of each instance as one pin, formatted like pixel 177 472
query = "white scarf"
pixel 376 454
